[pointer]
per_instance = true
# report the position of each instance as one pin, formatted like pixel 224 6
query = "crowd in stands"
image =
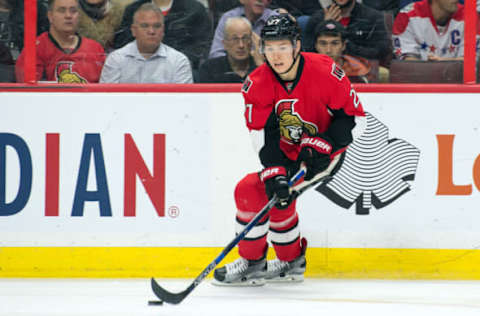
pixel 217 41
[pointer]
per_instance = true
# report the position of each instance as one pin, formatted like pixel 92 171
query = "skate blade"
pixel 251 282
pixel 292 278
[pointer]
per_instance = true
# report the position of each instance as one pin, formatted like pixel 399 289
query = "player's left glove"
pixel 316 153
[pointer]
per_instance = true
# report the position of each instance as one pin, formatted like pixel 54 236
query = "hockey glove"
pixel 276 182
pixel 315 153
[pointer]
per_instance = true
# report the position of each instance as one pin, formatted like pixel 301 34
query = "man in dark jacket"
pixel 366 33
pixel 12 24
pixel 187 27
pixel 239 61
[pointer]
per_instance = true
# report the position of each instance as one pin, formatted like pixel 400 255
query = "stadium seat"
pixel 402 71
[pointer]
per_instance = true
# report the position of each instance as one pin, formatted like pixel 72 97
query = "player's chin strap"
pixel 293 63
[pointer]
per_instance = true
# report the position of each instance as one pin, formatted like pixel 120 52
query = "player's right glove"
pixel 276 182
pixel 315 153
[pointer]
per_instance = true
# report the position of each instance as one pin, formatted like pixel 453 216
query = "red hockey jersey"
pixel 278 113
pixel 82 65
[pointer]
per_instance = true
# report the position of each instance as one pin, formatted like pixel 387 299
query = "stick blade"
pixel 165 296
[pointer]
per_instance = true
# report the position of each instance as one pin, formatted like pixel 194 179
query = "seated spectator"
pixel 99 19
pixel 383 5
pixel 407 5
pixel 297 8
pixel 238 63
pixel 188 28
pixel 7 65
pixel 331 41
pixel 255 11
pixel 147 59
pixel 432 30
pixel 366 33
pixel 218 7
pixel 62 55
pixel 11 24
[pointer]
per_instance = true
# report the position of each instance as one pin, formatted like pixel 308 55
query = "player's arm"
pixel 264 129
pixel 263 126
pixel 346 110
pixel 347 122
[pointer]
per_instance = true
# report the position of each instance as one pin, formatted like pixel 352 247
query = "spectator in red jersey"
pixel 62 55
pixel 366 33
pixel 430 30
pixel 330 40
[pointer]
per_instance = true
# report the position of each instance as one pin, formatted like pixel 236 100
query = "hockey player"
pixel 299 108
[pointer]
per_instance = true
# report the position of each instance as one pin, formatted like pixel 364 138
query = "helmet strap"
pixel 293 63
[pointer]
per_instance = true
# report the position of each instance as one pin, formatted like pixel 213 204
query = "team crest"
pixel 65 74
pixel 291 124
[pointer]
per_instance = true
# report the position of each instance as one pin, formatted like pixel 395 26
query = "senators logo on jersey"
pixel 292 126
pixel 65 74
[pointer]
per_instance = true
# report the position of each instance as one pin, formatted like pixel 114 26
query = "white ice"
pixel 55 297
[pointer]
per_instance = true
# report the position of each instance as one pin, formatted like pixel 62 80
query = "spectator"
pixel 383 5
pixel 7 65
pixel 255 11
pixel 238 63
pixel 407 5
pixel 297 8
pixel 11 24
pixel 99 19
pixel 330 40
pixel 432 30
pixel 302 10
pixel 188 28
pixel 62 55
pixel 218 7
pixel 366 33
pixel 147 59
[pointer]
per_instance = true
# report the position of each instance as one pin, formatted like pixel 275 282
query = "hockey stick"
pixel 176 298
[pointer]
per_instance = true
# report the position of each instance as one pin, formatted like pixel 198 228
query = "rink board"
pixel 72 161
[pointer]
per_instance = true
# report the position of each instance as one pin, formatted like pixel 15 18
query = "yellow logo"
pixel 292 126
pixel 65 74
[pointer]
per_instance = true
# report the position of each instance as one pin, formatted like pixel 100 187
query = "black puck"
pixel 155 302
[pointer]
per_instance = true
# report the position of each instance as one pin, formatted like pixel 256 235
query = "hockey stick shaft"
pixel 176 298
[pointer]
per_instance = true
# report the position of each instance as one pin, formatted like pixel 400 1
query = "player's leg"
pixel 250 268
pixel 289 247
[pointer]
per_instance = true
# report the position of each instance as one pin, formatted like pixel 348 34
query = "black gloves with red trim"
pixel 276 182
pixel 315 152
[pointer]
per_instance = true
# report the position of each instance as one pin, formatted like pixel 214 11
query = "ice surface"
pixel 52 297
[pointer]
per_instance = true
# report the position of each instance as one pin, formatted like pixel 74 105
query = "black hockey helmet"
pixel 282 26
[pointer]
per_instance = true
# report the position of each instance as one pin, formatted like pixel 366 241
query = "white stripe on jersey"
pixel 420 38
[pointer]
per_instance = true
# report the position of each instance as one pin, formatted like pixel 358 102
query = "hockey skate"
pixel 241 272
pixel 287 271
